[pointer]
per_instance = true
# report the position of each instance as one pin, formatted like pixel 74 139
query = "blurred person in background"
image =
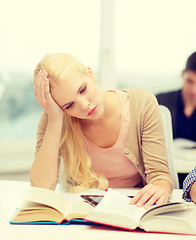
pixel 182 103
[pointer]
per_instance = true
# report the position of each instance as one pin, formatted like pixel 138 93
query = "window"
pixel 142 44
pixel 152 42
pixel 29 30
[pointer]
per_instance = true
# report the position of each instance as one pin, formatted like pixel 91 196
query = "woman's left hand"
pixel 151 194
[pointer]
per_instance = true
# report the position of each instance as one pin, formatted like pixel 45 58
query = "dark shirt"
pixel 186 126
pixel 183 126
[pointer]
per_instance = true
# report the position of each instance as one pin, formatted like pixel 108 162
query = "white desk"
pixel 184 156
pixel 183 166
pixel 11 195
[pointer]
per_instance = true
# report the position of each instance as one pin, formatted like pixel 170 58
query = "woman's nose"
pixel 83 103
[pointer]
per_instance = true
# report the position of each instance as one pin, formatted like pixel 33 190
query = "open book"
pixel 115 210
pixel 42 206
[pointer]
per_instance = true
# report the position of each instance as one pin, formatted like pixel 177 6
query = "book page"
pixel 70 209
pixel 78 210
pixel 47 197
pixel 114 207
pixel 166 208
pixel 173 222
pixel 34 212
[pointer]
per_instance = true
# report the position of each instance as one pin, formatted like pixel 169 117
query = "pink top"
pixel 111 162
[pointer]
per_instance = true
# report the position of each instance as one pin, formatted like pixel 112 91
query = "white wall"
pixel 150 41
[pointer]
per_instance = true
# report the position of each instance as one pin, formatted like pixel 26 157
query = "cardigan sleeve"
pixel 187 184
pixel 153 142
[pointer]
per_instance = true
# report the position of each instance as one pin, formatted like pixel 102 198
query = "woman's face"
pixel 79 96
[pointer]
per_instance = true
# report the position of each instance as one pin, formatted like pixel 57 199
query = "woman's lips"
pixel 92 111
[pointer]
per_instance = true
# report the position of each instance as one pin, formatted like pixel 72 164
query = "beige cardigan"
pixel 146 144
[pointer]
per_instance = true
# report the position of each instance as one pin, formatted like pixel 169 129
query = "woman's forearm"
pixel 193 192
pixel 44 170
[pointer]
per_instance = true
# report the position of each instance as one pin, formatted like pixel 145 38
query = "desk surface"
pixel 11 197
pixel 184 152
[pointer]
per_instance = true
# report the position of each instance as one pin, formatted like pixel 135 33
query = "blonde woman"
pixel 105 138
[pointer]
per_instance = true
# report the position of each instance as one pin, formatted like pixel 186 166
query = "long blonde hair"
pixel 77 174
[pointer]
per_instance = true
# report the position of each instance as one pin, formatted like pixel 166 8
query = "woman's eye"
pixel 69 106
pixel 83 90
